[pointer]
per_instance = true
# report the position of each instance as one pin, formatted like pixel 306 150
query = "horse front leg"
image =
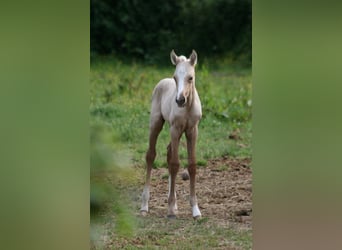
pixel 155 127
pixel 191 137
pixel 173 165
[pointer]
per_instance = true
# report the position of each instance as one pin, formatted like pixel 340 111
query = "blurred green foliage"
pixel 148 30
pixel 110 173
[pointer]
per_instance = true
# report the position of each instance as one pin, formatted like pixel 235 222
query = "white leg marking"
pixel 175 207
pixel 196 212
pixel 168 196
pixel 145 197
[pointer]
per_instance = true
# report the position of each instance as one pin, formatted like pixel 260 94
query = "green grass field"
pixel 120 101
pixel 121 95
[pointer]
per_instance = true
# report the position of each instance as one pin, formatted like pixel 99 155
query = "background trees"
pixel 149 29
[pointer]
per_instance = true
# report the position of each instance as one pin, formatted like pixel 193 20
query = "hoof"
pixel 171 216
pixel 185 176
pixel 143 213
pixel 197 217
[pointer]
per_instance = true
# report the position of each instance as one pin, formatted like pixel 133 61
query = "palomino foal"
pixel 176 101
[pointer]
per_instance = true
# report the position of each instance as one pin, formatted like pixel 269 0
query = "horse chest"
pixel 185 120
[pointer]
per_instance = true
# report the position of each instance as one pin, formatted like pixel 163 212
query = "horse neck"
pixel 191 97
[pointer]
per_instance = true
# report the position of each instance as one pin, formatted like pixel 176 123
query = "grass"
pixel 121 95
pixel 161 233
pixel 120 101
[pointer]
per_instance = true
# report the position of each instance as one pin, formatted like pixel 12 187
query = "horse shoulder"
pixel 166 89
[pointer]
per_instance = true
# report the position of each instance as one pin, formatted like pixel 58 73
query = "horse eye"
pixel 190 78
pixel 174 78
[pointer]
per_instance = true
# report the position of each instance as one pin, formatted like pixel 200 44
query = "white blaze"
pixel 181 74
pixel 180 89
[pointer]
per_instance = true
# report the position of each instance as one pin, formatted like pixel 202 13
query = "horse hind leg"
pixel 156 126
pixel 169 155
pixel 191 136
pixel 173 165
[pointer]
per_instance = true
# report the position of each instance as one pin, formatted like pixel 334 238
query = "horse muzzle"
pixel 181 101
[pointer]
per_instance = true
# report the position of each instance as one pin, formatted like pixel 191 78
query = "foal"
pixel 176 101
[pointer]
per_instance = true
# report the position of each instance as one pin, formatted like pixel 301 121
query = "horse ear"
pixel 174 57
pixel 193 58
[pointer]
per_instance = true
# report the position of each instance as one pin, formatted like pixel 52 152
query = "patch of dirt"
pixel 223 188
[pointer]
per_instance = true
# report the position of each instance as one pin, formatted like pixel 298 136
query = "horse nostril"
pixel 180 101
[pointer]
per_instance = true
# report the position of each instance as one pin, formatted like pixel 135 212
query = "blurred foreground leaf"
pixel 110 169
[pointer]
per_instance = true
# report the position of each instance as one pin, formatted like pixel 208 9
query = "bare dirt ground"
pixel 223 188
pixel 224 193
